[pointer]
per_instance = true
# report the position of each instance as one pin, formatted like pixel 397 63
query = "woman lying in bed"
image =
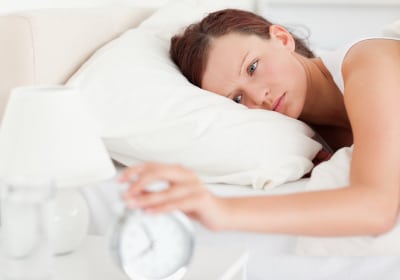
pixel 352 93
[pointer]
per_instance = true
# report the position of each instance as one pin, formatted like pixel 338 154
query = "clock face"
pixel 153 246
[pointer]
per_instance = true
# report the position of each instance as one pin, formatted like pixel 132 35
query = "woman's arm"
pixel 346 211
pixel 368 206
pixel 371 73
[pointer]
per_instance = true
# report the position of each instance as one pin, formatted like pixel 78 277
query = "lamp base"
pixel 70 221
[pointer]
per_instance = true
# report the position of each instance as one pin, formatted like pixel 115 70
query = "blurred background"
pixel 326 24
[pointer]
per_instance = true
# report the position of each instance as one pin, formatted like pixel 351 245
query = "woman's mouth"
pixel 278 104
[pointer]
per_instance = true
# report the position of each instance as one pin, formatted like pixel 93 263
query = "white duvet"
pixel 355 258
pixel 287 257
pixel 332 174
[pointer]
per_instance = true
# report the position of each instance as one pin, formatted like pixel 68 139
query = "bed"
pixel 48 47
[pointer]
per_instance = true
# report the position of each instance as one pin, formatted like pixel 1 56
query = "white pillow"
pixel 392 29
pixel 177 14
pixel 148 111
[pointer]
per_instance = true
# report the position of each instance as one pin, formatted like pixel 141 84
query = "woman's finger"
pixel 169 206
pixel 149 173
pixel 151 199
pixel 130 173
pixel 162 171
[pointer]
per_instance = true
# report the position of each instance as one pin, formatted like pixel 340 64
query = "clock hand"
pixel 145 251
pixel 148 233
pixel 150 238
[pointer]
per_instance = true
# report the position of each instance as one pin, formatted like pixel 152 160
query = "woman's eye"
pixel 237 99
pixel 252 67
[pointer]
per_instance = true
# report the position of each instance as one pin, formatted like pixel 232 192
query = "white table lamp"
pixel 47 133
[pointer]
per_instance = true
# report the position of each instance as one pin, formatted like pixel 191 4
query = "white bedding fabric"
pixel 392 29
pixel 103 201
pixel 272 256
pixel 282 257
pixel 146 110
pixel 289 267
pixel 333 174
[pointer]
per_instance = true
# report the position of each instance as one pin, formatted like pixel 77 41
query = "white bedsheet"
pixel 334 174
pixel 288 267
pixel 277 257
pixel 104 197
pixel 272 256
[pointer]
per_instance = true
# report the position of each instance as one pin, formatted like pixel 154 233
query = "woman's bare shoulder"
pixel 368 52
pixel 371 74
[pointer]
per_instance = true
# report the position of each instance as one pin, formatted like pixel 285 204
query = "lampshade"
pixel 47 133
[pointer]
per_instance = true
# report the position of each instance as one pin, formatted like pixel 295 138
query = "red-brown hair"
pixel 189 50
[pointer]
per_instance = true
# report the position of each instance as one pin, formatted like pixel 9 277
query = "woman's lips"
pixel 278 104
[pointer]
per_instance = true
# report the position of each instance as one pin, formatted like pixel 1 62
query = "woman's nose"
pixel 256 98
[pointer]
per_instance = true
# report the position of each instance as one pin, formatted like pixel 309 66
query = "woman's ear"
pixel 284 36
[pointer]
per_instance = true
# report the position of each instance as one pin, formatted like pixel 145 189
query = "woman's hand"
pixel 185 192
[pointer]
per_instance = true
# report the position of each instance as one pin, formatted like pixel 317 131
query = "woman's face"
pixel 256 72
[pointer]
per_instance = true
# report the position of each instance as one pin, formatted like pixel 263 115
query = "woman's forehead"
pixel 227 54
pixel 230 47
pixel 225 57
pixel 230 41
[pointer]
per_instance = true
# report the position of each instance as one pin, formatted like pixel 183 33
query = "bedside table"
pixel 93 261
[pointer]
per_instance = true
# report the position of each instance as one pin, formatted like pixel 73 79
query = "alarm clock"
pixel 153 246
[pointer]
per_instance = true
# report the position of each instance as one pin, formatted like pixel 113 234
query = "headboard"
pixel 47 46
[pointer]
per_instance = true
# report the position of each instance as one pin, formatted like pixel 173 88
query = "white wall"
pixel 7 6
pixel 15 5
pixel 331 23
